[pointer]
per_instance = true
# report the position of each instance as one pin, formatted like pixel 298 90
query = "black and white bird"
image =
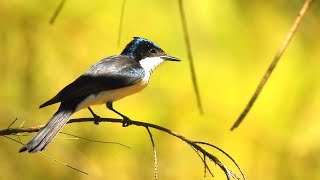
pixel 107 81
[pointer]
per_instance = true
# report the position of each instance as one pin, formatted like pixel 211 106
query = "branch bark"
pixel 194 144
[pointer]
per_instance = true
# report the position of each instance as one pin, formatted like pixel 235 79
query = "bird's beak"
pixel 169 58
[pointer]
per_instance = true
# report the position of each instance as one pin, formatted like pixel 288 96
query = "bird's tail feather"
pixel 48 132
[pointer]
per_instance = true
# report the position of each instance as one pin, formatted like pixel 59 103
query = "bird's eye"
pixel 152 51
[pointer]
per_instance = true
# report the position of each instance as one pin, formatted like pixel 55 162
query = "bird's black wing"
pixel 110 73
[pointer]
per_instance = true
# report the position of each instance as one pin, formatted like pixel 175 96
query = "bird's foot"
pixel 126 122
pixel 97 119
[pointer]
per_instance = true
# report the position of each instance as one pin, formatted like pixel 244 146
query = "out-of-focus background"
pixel 232 42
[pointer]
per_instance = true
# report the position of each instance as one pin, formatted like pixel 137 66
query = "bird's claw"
pixel 97 119
pixel 126 122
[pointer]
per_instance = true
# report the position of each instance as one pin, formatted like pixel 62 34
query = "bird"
pixel 105 82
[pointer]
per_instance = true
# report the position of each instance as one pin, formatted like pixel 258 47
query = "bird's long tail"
pixel 49 131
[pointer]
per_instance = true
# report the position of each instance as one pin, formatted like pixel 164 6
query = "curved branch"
pixel 273 64
pixel 219 149
pixel 194 144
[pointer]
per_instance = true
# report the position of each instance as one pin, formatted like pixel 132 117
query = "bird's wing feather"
pixel 110 73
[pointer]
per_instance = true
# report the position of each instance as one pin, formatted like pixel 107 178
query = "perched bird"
pixel 109 80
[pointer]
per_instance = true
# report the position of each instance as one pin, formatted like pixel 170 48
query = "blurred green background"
pixel 233 43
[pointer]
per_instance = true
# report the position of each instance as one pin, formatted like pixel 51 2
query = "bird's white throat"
pixel 150 64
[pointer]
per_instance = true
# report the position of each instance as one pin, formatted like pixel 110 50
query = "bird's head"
pixel 147 53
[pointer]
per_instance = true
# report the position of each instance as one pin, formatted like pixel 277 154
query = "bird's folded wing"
pixel 110 73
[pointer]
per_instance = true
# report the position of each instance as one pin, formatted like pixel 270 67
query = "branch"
pixel 57 12
pixel 273 64
pixel 204 160
pixel 51 158
pixel 196 145
pixel 155 177
pixel 121 22
pixel 190 57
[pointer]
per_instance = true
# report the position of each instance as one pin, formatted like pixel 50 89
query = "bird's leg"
pixel 126 121
pixel 97 118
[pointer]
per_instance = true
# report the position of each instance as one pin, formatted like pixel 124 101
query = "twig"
pixel 190 57
pixel 155 177
pixel 203 160
pixel 23 123
pixel 65 164
pixel 96 141
pixel 205 167
pixel 57 12
pixel 121 22
pixel 193 144
pixel 12 122
pixel 273 64
pixel 222 151
pixel 53 159
pixel 20 127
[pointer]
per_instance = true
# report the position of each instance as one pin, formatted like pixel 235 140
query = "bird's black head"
pixel 140 48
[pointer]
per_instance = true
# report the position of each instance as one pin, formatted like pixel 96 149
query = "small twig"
pixel 12 122
pixel 53 159
pixel 234 175
pixel 212 158
pixel 66 138
pixel 20 127
pixel 19 138
pixel 57 12
pixel 96 141
pixel 226 154
pixel 23 123
pixel 65 164
pixel 203 160
pixel 190 57
pixel 155 177
pixel 273 64
pixel 121 22
pixel 205 167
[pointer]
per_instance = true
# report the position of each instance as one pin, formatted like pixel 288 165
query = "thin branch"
pixel 234 175
pixel 53 159
pixel 96 141
pixel 205 167
pixel 20 127
pixel 190 57
pixel 12 122
pixel 155 177
pixel 23 123
pixel 203 160
pixel 273 64
pixel 194 144
pixel 121 22
pixel 67 165
pixel 222 151
pixel 57 12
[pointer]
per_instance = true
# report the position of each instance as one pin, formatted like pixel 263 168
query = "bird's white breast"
pixel 148 64
pixel 111 95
